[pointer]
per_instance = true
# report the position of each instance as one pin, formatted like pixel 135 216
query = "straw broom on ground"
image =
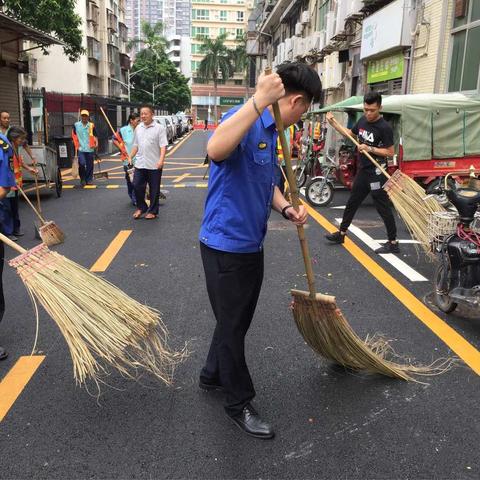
pixel 408 197
pixel 323 325
pixel 103 327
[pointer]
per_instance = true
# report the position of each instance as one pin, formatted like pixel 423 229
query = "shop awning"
pixel 340 105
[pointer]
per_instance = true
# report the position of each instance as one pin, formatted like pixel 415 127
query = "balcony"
pixel 94 51
pixel 123 32
pixel 112 21
pixel 124 61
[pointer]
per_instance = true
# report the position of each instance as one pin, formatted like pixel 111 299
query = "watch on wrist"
pixel 284 212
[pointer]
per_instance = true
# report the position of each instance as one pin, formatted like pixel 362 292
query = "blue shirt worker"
pixel 7 181
pixel 85 132
pixel 242 191
pixel 123 140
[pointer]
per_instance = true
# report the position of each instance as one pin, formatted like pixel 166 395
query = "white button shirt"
pixel 149 139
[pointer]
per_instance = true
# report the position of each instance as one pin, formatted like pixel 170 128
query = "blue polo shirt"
pixel 127 133
pixel 240 191
pixel 83 134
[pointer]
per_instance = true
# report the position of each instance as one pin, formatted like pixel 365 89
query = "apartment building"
pixel 211 18
pixel 103 70
pixel 150 11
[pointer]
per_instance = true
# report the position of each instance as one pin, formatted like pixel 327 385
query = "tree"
pixel 216 62
pixel 152 39
pixel 240 59
pixel 56 16
pixel 173 94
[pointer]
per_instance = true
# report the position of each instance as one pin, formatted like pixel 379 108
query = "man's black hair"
pixel 149 106
pixel 299 77
pixel 16 132
pixel 133 116
pixel 373 97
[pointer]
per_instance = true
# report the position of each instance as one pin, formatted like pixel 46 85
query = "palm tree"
pixel 216 62
pixel 151 39
pixel 240 59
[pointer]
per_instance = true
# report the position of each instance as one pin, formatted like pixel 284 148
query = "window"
pixel 239 33
pixel 465 56
pixel 238 82
pixel 200 32
pixel 239 16
pixel 223 1
pixel 223 15
pixel 195 64
pixel 223 31
pixel 200 14
pixel 322 15
pixel 196 48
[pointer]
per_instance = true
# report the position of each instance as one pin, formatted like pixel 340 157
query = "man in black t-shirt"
pixel 375 137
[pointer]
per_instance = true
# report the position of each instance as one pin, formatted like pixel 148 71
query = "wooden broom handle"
pixel 12 244
pixel 38 194
pixel 346 134
pixel 107 120
pixel 294 195
pixel 31 204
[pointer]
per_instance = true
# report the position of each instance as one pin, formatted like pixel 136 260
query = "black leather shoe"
pixel 252 424
pixel 335 237
pixel 388 247
pixel 210 386
pixel 3 353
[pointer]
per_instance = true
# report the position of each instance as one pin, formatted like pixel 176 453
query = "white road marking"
pixel 402 241
pixel 396 262
pixel 340 207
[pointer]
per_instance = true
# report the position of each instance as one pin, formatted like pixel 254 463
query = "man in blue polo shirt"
pixel 242 191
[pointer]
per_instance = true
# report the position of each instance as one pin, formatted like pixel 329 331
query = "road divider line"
pixel 465 350
pixel 90 187
pixel 111 252
pixel 111 187
pixel 179 144
pixel 15 381
pixel 181 177
pixel 393 260
pixel 179 185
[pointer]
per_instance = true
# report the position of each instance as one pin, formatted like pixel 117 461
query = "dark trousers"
pixel 2 298
pixel 369 182
pixel 9 215
pixel 85 166
pixel 233 282
pixel 131 190
pixel 141 178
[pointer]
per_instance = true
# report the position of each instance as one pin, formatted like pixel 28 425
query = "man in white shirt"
pixel 149 147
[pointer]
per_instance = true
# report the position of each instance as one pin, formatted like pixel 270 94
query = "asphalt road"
pixel 330 423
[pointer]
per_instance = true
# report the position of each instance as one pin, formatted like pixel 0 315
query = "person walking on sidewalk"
pixel 123 140
pixel 86 134
pixel 149 147
pixel 7 181
pixel 375 136
pixel 242 190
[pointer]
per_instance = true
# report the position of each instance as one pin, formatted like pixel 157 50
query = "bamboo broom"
pixel 408 197
pixel 322 324
pixel 103 327
pixel 49 232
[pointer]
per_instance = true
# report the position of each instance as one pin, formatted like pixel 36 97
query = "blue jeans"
pixel 85 166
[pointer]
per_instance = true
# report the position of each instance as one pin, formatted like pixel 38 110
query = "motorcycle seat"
pixel 469 194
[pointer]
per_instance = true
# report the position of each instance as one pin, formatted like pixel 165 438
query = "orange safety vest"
pixel 317 131
pixel 17 162
pixel 291 129
pixel 91 136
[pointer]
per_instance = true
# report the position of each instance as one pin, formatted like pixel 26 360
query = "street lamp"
pixel 153 90
pixel 130 76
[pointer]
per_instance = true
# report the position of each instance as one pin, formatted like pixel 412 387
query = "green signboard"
pixel 387 68
pixel 231 101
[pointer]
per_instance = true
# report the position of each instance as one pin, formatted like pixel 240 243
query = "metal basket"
pixel 440 225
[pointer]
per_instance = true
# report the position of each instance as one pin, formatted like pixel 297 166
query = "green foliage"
pixel 174 95
pixel 217 60
pixel 51 16
pixel 152 38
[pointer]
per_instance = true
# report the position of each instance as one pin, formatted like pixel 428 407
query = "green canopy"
pixel 430 125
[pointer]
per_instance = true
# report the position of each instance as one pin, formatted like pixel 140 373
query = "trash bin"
pixel 65 151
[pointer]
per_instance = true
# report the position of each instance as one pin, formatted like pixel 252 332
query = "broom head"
pixel 51 234
pixel 100 175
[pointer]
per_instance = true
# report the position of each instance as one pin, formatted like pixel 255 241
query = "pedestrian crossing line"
pixel 465 350
pixel 179 185
pixel 112 187
pixel 201 185
pixel 111 252
pixel 90 187
pixel 181 177
pixel 123 185
pixel 15 381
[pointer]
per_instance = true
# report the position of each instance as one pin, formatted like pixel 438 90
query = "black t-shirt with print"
pixel 376 134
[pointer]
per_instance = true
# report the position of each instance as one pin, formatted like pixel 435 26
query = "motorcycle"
pixel 457 275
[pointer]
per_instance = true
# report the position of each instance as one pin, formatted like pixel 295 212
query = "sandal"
pixel 138 214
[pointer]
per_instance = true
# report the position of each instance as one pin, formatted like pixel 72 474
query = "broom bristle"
pixel 50 234
pixel 103 326
pixel 413 206
pixel 327 332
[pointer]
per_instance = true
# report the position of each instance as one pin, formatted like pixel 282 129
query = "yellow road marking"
pixel 201 185
pixel 68 186
pixel 15 381
pixel 179 144
pixel 111 252
pixel 167 169
pixel 181 177
pixel 466 351
pixel 113 186
pixel 181 185
pixel 90 187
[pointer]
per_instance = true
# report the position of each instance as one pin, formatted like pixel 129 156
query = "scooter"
pixel 457 276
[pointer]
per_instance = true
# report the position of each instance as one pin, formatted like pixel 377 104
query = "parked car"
pixel 184 121
pixel 166 122
pixel 178 125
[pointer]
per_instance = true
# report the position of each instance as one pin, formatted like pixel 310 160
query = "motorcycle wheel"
pixel 443 301
pixel 300 177
pixel 319 193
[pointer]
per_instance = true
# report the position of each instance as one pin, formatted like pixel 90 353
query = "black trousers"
pixel 369 182
pixel 234 281
pixel 141 177
pixel 85 166
pixel 2 298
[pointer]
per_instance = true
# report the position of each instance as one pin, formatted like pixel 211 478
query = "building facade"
pixel 150 11
pixel 103 70
pixel 211 18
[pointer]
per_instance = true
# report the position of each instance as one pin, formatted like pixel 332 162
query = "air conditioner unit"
pixel 305 18
pixel 298 29
pixel 300 50
pixel 281 52
pixel 291 54
pixel 342 6
pixel 288 45
pixel 316 40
